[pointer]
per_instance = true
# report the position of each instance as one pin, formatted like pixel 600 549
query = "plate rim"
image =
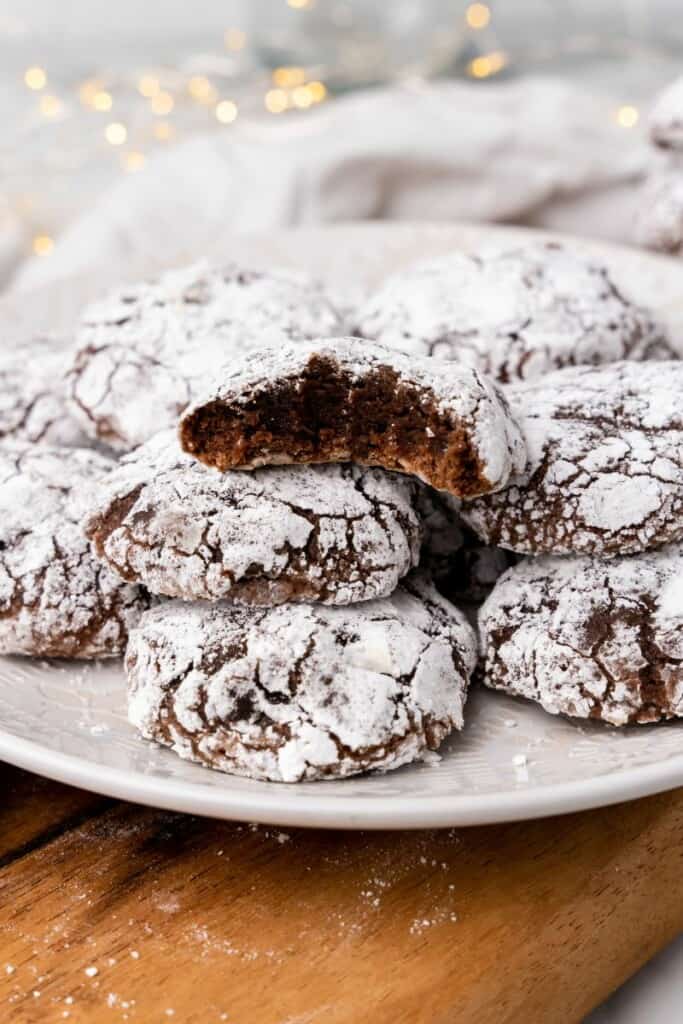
pixel 280 806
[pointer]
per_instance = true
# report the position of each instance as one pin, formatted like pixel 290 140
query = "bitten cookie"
pixel 302 691
pixel 149 349
pixel 33 394
pixel 336 534
pixel 514 315
pixel 345 399
pixel 56 600
pixel 590 637
pixel 605 470
pixel 666 118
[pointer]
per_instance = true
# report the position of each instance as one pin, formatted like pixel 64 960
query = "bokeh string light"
pixel 35 78
pixel 112 123
pixel 478 16
pixel 487 64
pixel 627 116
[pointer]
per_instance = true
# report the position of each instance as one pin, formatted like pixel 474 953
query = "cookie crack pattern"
pixel 515 314
pixel 335 534
pixel 306 691
pixel 605 468
pixel 144 352
pixel 33 405
pixel 55 599
pixel 590 637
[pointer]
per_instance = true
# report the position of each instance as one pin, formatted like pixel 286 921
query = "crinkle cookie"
pixel 514 315
pixel 147 350
pixel 335 534
pixel 56 600
pixel 605 471
pixel 463 568
pixel 33 394
pixel 345 399
pixel 666 118
pixel 590 637
pixel 660 218
pixel 302 691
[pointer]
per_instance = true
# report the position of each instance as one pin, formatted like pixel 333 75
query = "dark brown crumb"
pixel 329 410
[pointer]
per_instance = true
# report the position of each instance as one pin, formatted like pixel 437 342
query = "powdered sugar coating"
pixel 666 118
pixel 467 400
pixel 336 534
pixel 302 691
pixel 33 394
pixel 605 471
pixel 56 600
pixel 590 637
pixel 145 351
pixel 516 314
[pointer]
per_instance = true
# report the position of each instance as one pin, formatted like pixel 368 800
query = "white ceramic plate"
pixel 67 721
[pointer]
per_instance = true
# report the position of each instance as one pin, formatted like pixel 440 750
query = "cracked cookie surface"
pixel 146 351
pixel 56 600
pixel 590 637
pixel 605 469
pixel 336 534
pixel 302 691
pixel 33 404
pixel 514 315
pixel 349 400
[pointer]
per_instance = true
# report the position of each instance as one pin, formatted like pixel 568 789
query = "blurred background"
pixel 258 113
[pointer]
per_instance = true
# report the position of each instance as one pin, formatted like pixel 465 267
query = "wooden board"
pixel 111 912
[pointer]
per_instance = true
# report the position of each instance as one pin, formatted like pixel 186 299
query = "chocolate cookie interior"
pixel 328 414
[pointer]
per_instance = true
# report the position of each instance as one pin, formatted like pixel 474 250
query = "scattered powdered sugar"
pixel 55 598
pixel 421 924
pixel 605 471
pixel 467 399
pixel 336 533
pixel 145 351
pixel 516 314
pixel 302 691
pixel 590 637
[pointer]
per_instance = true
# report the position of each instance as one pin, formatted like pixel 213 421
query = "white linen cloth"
pixel 536 151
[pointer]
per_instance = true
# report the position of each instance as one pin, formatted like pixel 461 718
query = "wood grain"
pixel 35 810
pixel 214 921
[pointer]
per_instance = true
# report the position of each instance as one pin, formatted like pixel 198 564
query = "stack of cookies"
pixel 301 528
